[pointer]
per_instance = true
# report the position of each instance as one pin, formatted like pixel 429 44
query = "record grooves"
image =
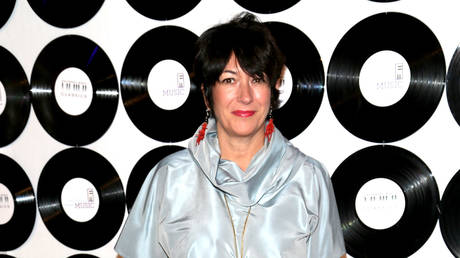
pixel 89 165
pixel 267 6
pixel 6 8
pixel 453 85
pixel 414 41
pixel 306 68
pixel 421 201
pixel 73 51
pixel 163 10
pixel 160 124
pixel 448 220
pixel 16 103
pixel 19 227
pixel 65 14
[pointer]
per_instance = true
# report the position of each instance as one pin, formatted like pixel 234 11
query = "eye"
pixel 258 80
pixel 227 80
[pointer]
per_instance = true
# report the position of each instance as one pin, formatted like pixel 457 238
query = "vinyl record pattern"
pixel 73 51
pixel 450 212
pixel 414 41
pixel 421 196
pixel 89 165
pixel 66 14
pixel 268 6
pixel 142 169
pixel 19 227
pixel 160 124
pixel 163 10
pixel 306 69
pixel 453 85
pixel 14 100
pixel 6 8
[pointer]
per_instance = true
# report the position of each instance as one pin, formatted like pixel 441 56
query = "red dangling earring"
pixel 270 126
pixel 203 127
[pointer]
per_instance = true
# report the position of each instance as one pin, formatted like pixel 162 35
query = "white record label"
pixel 6 204
pixel 73 91
pixel 384 78
pixel 380 203
pixel 2 98
pixel 168 84
pixel 80 199
pixel 285 87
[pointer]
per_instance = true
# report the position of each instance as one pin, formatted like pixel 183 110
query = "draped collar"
pixel 262 177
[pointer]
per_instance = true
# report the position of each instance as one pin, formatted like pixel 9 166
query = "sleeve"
pixel 327 238
pixel 140 234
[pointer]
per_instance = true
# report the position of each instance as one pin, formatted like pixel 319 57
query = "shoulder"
pixel 297 158
pixel 176 159
pixel 308 170
pixel 177 162
pixel 304 161
pixel 170 172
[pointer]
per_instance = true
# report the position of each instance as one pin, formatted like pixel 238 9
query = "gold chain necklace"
pixel 233 227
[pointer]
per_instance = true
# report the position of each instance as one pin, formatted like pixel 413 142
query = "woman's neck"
pixel 240 150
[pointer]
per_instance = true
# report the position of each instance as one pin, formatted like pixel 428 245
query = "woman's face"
pixel 241 102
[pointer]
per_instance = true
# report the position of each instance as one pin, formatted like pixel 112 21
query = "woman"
pixel 240 189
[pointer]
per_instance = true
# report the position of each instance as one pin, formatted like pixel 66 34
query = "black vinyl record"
pixel 163 10
pixel 453 85
pixel 421 195
pixel 417 44
pixel 18 228
pixel 66 14
pixel 74 52
pixel 266 6
pixel 81 163
pixel 449 222
pixel 306 68
pixel 6 8
pixel 159 44
pixel 14 100
pixel 82 256
pixel 142 169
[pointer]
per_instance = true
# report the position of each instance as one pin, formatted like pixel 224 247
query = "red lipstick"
pixel 243 113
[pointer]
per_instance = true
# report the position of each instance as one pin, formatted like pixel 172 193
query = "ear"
pixel 204 97
pixel 278 83
pixel 280 80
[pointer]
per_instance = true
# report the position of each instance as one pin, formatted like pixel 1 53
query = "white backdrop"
pixel 117 26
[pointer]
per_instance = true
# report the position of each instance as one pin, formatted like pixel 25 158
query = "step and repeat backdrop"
pixel 94 93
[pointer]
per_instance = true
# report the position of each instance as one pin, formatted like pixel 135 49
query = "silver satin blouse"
pixel 194 204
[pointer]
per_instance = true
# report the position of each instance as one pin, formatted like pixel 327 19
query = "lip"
pixel 243 113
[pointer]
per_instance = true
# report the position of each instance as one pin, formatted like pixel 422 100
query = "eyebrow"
pixel 229 71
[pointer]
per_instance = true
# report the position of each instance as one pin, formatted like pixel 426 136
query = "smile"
pixel 243 113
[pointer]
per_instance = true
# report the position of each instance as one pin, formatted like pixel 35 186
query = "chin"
pixel 246 130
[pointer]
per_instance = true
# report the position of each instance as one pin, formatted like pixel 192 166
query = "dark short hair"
pixel 253 45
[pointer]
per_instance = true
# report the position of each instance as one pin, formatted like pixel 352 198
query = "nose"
pixel 245 94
